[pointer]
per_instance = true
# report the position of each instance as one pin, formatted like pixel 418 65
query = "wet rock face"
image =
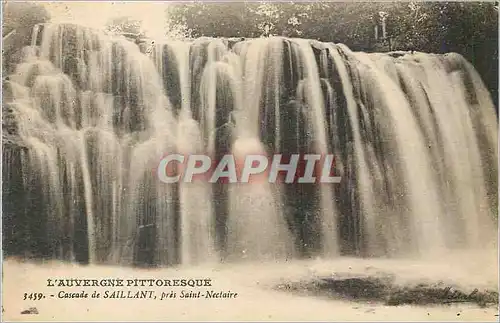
pixel 12 45
pixel 171 77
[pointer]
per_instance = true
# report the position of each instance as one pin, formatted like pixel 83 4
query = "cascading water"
pixel 414 136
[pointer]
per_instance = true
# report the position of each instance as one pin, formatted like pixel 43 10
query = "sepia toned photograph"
pixel 250 161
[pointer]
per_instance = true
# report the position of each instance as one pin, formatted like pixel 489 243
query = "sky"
pixel 96 14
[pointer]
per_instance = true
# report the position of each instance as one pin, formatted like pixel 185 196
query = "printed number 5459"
pixel 33 296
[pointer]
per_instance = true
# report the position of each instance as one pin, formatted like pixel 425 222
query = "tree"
pixel 214 20
pixel 22 15
pixel 18 21
pixel 468 28
pixel 350 23
pixel 125 25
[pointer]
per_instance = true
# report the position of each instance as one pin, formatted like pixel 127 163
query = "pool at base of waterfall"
pixel 447 288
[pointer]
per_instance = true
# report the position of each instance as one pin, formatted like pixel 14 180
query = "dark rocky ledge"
pixel 385 291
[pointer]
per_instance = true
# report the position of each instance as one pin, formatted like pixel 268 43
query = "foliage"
pixel 125 25
pixel 19 15
pixel 177 31
pixel 413 25
pixel 468 28
pixel 338 22
pixel 210 19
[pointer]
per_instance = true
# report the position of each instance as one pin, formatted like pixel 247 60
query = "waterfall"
pixel 413 135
